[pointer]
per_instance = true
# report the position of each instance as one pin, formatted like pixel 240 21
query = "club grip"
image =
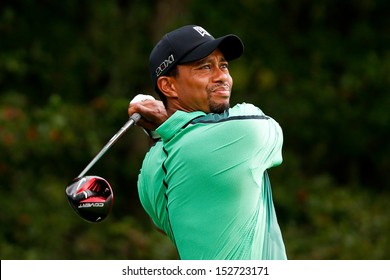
pixel 135 117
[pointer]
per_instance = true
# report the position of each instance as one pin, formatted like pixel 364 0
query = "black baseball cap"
pixel 189 43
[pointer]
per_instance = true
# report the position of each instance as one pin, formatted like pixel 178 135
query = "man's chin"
pixel 219 108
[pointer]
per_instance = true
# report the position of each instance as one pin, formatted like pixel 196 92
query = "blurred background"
pixel 69 68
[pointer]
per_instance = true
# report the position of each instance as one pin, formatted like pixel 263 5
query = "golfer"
pixel 204 182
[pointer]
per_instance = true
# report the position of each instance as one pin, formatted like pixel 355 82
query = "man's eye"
pixel 225 66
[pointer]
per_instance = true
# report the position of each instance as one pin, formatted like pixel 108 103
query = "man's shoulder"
pixel 245 109
pixel 242 110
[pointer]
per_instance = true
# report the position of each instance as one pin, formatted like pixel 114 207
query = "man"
pixel 205 182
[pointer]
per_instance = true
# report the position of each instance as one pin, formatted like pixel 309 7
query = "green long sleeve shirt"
pixel 206 185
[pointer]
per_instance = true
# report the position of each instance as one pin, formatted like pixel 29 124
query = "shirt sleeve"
pixel 151 189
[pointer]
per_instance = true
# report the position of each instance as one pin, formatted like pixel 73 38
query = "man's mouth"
pixel 222 90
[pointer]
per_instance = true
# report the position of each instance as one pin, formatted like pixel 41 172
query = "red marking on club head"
pixel 94 199
pixel 87 185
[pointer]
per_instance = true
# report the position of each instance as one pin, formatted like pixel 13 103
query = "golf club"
pixel 92 196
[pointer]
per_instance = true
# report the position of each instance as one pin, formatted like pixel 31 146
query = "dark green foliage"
pixel 69 68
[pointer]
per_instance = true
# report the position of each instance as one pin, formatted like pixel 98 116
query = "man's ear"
pixel 166 86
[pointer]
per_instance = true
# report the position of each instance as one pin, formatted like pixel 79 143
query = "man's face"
pixel 204 85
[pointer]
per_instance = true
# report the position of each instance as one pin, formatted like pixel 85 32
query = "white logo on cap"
pixel 201 31
pixel 164 65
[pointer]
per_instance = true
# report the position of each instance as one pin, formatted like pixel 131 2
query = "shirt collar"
pixel 176 122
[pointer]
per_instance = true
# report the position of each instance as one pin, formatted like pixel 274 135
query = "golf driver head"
pixel 91 197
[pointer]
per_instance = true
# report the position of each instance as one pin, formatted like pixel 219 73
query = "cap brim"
pixel 230 45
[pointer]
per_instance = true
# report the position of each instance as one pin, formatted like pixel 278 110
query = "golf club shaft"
pixel 133 119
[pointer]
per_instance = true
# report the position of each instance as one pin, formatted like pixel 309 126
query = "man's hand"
pixel 153 112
